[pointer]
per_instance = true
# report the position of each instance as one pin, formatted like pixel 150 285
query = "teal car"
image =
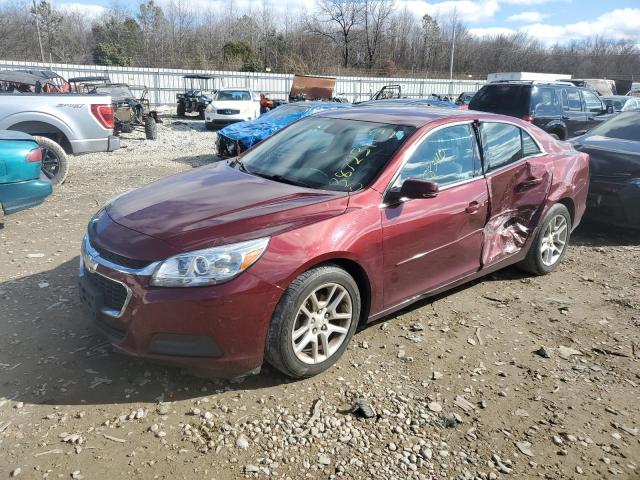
pixel 21 183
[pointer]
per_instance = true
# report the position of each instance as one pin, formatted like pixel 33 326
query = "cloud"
pixel 87 10
pixel 527 17
pixel 619 24
pixel 467 11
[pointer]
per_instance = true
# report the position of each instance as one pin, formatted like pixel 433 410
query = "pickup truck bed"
pixel 68 119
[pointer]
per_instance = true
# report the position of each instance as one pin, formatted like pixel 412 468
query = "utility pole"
pixel 35 12
pixel 453 47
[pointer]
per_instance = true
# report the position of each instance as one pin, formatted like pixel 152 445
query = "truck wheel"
pixel 55 164
pixel 150 128
pixel 181 112
pixel 313 322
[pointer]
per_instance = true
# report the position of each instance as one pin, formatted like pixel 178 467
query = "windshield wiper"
pixel 281 179
pixel 238 162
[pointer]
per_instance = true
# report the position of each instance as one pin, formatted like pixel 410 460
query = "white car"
pixel 231 105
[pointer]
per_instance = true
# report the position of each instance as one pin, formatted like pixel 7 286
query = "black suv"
pixel 562 110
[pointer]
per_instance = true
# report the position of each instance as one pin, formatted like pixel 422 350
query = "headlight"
pixel 209 266
pixel 209 108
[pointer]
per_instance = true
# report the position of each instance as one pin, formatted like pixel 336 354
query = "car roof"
pixel 409 115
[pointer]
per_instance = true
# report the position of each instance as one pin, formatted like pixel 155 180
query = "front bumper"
pixel 226 147
pixel 615 201
pixel 18 196
pixel 219 120
pixel 214 331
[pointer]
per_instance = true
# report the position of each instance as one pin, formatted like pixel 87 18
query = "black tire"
pixel 209 125
pixel 533 263
pixel 555 135
pixel 55 163
pixel 181 111
pixel 279 349
pixel 150 128
pixel 201 113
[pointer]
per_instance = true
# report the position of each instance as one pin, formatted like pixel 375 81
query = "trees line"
pixel 338 37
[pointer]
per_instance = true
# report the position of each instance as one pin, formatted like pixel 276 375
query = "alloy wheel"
pixel 554 240
pixel 322 323
pixel 50 163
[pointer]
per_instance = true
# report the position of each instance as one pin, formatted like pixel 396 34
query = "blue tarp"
pixel 253 131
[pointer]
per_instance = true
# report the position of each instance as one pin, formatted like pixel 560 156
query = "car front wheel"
pixel 313 322
pixel 550 245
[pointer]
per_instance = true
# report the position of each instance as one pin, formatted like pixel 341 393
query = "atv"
pixel 197 94
pixel 130 113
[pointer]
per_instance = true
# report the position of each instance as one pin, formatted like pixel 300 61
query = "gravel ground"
pixel 508 377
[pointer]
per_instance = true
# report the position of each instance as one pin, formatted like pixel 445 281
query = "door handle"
pixel 473 207
pixel 528 184
pixel 566 117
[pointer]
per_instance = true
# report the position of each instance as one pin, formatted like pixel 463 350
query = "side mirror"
pixel 414 188
pixel 608 109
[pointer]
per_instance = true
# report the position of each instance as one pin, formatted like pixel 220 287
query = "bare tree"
pixel 376 18
pixel 337 20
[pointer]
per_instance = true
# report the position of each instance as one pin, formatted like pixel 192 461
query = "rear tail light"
pixel 34 156
pixel 528 118
pixel 104 115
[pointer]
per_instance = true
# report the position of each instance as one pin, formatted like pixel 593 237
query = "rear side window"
pixel 571 100
pixel 508 99
pixel 544 101
pixel 501 144
pixel 529 146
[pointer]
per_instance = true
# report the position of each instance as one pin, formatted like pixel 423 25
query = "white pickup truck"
pixel 62 124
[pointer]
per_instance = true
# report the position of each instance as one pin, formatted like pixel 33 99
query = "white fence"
pixel 163 84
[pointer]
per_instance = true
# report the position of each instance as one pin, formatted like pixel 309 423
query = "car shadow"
pixel 198 160
pixel 591 233
pixel 50 354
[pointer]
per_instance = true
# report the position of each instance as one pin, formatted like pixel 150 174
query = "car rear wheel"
pixel 550 245
pixel 55 164
pixel 181 110
pixel 313 322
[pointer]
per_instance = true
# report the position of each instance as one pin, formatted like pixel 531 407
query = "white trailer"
pixel 527 77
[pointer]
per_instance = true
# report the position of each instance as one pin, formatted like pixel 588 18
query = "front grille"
pixel 114 294
pixel 118 259
pixel 227 111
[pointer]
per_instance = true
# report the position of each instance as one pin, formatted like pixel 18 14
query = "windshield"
pixel 234 95
pixel 327 153
pixel 625 126
pixel 616 103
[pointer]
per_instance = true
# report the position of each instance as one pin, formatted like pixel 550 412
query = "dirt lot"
pixel 457 389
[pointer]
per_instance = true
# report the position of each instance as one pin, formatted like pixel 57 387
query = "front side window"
pixel 501 144
pixel 445 156
pixel 591 102
pixel 327 153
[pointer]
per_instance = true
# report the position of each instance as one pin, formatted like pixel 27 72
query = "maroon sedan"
pixel 338 220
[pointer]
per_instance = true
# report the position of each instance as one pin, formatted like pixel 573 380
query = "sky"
pixel 550 21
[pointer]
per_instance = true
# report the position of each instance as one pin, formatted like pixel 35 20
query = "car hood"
pixel 217 205
pixel 232 104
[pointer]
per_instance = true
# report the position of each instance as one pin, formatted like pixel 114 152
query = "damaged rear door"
pixel 519 179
